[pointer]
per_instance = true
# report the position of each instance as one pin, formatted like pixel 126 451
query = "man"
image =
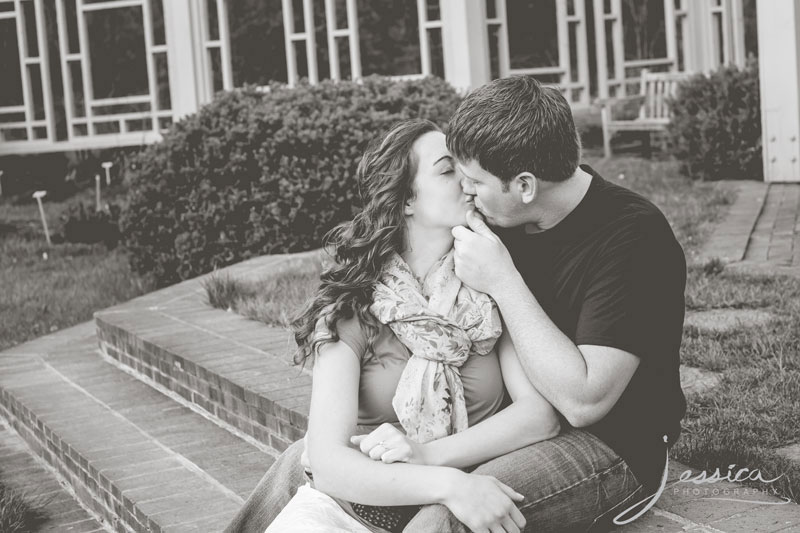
pixel 590 280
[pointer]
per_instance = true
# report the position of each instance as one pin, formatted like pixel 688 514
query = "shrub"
pixel 90 226
pixel 716 126
pixel 258 172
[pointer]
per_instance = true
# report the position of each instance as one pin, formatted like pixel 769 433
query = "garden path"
pixel 761 231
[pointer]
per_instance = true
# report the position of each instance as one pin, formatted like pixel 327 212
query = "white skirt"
pixel 312 511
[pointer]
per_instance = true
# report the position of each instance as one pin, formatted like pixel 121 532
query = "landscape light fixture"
pixel 107 165
pixel 39 195
pixel 97 191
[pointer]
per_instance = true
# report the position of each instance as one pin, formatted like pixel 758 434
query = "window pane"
pixel 213 20
pixel 11 87
pixel 72 26
pixel 434 9
pixel 389 33
pixel 258 51
pixel 215 58
pixel 117 52
pixel 341 14
pixel 532 33
pixel 643 28
pixel 78 99
pixel 494 52
pixel 157 13
pixel 437 53
pixel 345 70
pixel 162 81
pixel 35 80
pixel 29 17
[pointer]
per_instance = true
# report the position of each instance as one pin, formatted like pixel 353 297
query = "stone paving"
pixel 761 232
pixel 731 235
pixel 776 236
pixel 725 320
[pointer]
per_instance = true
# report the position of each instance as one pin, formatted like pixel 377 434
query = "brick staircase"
pixel 163 413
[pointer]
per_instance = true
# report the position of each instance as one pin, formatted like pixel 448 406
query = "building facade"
pixel 82 74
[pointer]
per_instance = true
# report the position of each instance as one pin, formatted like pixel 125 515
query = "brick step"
pixel 23 472
pixel 138 458
pixel 236 369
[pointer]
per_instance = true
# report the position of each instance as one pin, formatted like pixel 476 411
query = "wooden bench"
pixel 654 115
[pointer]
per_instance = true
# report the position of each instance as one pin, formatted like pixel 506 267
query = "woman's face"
pixel 439 201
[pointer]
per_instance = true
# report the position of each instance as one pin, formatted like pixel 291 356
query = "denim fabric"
pixel 571 483
pixel 275 489
pixel 272 493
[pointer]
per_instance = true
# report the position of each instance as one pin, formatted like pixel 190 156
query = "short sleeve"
pixel 634 299
pixel 350 332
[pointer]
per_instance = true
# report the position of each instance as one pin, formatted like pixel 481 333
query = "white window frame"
pixel 27 61
pixel 616 86
pixel 221 44
pixel 565 21
pixel 90 119
pixel 351 32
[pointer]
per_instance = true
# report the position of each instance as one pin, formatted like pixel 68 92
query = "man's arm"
pixel 583 383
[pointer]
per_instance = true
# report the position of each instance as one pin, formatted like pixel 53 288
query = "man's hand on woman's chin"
pixel 388 444
pixel 481 259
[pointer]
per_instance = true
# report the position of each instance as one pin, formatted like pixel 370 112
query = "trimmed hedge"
pixel 715 129
pixel 257 172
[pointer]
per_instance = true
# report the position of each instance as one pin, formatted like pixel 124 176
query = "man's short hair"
pixel 515 125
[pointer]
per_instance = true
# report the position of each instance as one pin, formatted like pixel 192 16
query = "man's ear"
pixel 527 185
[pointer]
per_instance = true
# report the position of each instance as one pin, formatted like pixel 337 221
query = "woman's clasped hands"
pixel 388 444
pixel 482 503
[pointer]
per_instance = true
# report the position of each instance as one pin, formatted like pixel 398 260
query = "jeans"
pixel 572 482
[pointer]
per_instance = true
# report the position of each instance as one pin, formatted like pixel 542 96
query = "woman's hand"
pixel 484 504
pixel 388 444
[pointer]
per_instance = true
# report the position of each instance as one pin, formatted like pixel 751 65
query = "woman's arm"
pixel 482 503
pixel 530 418
pixel 342 471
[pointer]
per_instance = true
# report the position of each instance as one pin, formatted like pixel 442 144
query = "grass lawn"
pixel 38 295
pixel 756 407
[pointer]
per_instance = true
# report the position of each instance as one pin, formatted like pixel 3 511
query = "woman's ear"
pixel 408 209
pixel 527 185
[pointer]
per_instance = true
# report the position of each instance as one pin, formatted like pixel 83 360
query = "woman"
pixel 395 336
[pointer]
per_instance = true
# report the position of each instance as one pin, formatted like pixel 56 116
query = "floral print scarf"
pixel 442 322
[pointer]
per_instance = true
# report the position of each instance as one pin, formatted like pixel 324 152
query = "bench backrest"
pixel 657 87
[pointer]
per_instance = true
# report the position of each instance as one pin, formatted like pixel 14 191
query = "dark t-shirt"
pixel 612 274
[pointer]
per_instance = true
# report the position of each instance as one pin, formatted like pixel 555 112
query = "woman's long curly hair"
pixel 360 247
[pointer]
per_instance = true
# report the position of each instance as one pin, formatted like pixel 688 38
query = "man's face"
pixel 498 206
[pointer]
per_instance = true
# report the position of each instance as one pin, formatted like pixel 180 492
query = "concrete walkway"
pixel 761 231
